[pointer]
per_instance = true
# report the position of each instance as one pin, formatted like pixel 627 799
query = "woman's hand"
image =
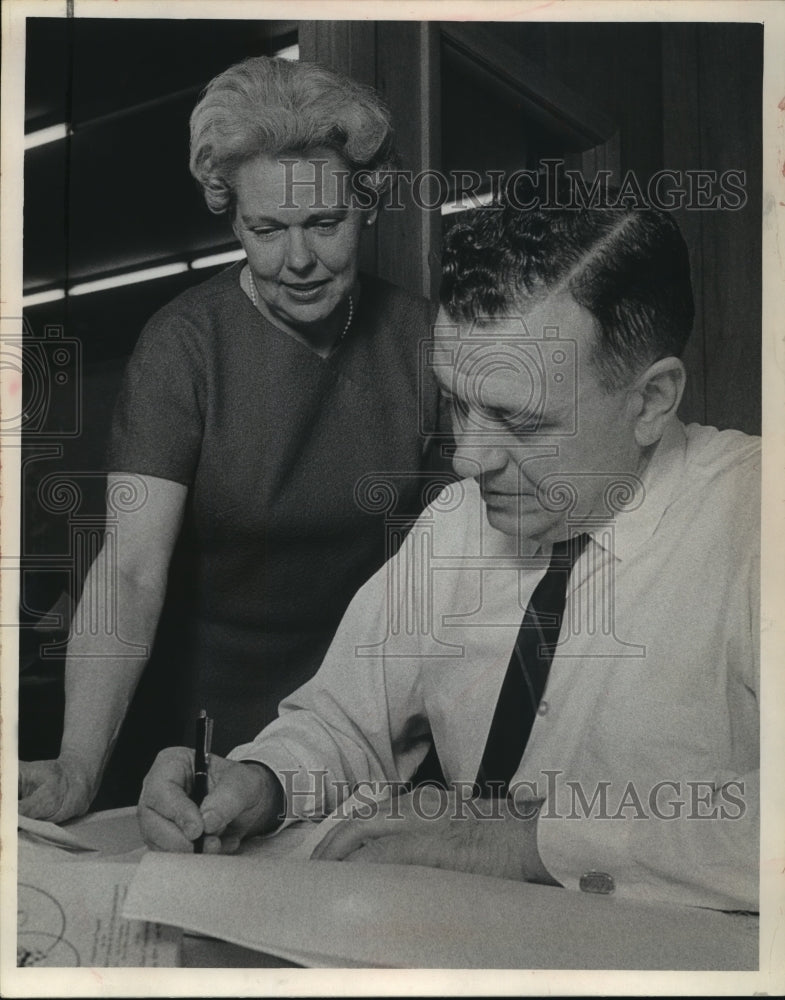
pixel 243 799
pixel 55 790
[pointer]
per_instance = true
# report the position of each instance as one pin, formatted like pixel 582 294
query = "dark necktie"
pixel 527 673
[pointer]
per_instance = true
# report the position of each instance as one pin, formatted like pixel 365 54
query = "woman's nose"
pixel 299 255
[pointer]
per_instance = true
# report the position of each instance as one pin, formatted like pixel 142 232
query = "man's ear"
pixel 659 390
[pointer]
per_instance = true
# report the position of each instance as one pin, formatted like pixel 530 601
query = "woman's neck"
pixel 324 337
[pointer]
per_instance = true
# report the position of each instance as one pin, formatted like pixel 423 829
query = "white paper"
pixel 113 832
pixel 112 835
pixel 52 834
pixel 332 913
pixel 70 915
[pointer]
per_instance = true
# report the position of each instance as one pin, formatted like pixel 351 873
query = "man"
pixel 572 630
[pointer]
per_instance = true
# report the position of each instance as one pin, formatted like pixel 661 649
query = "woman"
pixel 263 415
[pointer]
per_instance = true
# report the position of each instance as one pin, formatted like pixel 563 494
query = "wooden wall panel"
pixel 681 151
pixel 712 121
pixel 408 77
pixel 730 85
pixel 348 47
pixel 616 66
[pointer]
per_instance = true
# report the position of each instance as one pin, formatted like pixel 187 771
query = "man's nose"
pixel 475 456
pixel 299 255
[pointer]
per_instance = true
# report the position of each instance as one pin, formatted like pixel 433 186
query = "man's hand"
pixel 243 799
pixel 437 829
pixel 55 790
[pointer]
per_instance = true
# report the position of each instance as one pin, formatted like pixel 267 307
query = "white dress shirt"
pixel 651 700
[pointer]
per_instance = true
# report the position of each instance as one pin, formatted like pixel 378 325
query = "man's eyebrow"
pixel 253 219
pixel 517 414
pixel 511 413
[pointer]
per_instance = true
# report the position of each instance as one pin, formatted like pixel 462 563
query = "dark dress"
pixel 301 473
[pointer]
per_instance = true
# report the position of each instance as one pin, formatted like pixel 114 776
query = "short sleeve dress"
pixel 300 471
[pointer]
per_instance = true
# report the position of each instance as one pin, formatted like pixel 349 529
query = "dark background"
pixel 117 195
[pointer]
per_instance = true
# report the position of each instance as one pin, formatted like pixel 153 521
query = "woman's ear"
pixel 370 217
pixel 659 390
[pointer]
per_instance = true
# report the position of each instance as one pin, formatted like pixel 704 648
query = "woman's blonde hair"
pixel 275 106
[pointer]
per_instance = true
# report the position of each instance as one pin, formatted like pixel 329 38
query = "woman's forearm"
pixel 112 633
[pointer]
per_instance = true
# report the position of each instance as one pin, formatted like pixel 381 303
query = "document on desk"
pixel 51 834
pixel 112 834
pixel 339 914
pixel 70 915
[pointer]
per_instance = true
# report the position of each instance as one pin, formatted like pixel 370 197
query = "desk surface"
pixel 208 953
pixel 390 916
pixel 114 835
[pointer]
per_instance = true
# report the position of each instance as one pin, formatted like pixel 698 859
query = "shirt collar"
pixel 633 526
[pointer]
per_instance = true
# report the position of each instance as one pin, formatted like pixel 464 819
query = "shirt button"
pixel 599 882
pixel 542 708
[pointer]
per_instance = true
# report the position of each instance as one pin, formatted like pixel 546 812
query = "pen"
pixel 204 736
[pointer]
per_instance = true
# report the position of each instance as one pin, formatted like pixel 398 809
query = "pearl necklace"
pixel 336 345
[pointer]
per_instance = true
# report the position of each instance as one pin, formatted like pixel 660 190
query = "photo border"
pixel 319 982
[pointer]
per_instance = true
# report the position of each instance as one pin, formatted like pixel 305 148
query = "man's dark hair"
pixel 629 267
